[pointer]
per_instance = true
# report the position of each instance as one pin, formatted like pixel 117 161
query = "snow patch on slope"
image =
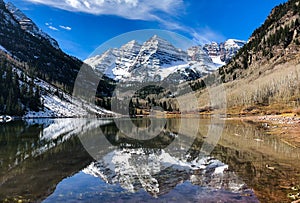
pixel 217 60
pixel 57 103
pixel 65 105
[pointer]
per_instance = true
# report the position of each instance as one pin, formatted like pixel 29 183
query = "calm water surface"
pixel 185 160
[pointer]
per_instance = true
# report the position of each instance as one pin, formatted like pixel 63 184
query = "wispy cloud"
pixel 65 27
pixel 52 28
pixel 206 35
pixel 200 35
pixel 130 9
pixel 163 11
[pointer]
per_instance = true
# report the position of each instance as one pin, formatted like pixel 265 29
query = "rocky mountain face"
pixel 159 52
pixel 222 53
pixel 115 63
pixel 154 60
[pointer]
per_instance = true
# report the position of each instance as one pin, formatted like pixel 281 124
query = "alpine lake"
pixel 145 160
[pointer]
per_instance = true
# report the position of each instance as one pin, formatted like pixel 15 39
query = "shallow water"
pixel 149 160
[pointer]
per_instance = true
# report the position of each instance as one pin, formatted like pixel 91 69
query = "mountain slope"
pixel 276 41
pixel 264 75
pixel 17 92
pixel 36 76
pixel 29 97
pixel 29 26
pixel 26 43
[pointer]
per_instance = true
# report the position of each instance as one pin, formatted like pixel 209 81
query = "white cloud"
pixel 163 11
pixel 65 27
pixel 130 9
pixel 52 28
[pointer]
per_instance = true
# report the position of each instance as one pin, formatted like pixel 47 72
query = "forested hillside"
pixel 264 75
pixel 18 92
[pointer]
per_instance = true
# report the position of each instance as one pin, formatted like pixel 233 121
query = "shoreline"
pixel 285 126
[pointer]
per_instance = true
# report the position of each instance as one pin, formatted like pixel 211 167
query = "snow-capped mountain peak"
pixel 157 52
pixel 221 53
pixel 158 41
pixel 234 43
pixel 103 63
pixel 133 44
pixel 158 59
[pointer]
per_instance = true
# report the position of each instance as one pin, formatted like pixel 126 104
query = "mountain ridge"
pixel 157 59
pixel 28 25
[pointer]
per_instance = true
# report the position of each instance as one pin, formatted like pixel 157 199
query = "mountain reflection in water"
pixel 50 161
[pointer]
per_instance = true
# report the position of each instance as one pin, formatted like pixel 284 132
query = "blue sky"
pixel 80 26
